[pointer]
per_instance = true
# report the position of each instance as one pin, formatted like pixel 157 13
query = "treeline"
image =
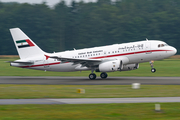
pixel 82 25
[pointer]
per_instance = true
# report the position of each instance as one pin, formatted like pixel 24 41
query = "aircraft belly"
pixel 36 68
pixel 136 58
pixel 63 67
pixel 58 67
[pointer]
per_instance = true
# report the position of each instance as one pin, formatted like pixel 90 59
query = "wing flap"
pixel 74 59
pixel 83 62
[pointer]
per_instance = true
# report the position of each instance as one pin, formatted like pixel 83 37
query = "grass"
pixel 167 67
pixel 135 111
pixel 91 91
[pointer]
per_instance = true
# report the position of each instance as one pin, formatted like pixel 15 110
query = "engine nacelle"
pixel 109 66
pixel 130 67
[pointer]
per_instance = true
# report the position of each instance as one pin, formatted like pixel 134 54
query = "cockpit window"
pixel 162 45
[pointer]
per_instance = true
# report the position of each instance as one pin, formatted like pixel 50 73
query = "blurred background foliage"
pixel 82 25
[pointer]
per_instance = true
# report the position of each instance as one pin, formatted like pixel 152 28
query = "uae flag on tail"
pixel 24 43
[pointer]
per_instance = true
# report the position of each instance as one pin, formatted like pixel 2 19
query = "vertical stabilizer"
pixel 25 46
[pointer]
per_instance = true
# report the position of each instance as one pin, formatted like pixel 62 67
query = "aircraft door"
pixel 148 48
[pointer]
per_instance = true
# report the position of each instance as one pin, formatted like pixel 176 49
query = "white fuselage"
pixel 132 53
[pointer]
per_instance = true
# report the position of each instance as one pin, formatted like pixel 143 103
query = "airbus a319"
pixel 110 58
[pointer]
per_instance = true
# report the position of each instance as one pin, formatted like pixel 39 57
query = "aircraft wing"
pixel 83 62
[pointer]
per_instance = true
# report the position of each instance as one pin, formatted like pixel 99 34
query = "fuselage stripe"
pixel 147 51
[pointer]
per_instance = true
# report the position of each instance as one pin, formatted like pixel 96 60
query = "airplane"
pixel 110 58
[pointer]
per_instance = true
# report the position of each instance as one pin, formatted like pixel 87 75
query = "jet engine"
pixel 109 66
pixel 129 67
pixel 114 65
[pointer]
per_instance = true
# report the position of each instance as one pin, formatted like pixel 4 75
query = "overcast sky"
pixel 49 2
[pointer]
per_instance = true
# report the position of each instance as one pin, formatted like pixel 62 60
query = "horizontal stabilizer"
pixel 20 62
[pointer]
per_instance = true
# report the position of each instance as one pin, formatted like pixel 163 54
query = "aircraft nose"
pixel 174 50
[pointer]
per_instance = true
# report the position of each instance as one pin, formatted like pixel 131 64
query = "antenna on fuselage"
pixel 146 39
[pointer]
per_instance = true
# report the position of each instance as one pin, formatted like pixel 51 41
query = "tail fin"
pixel 25 46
